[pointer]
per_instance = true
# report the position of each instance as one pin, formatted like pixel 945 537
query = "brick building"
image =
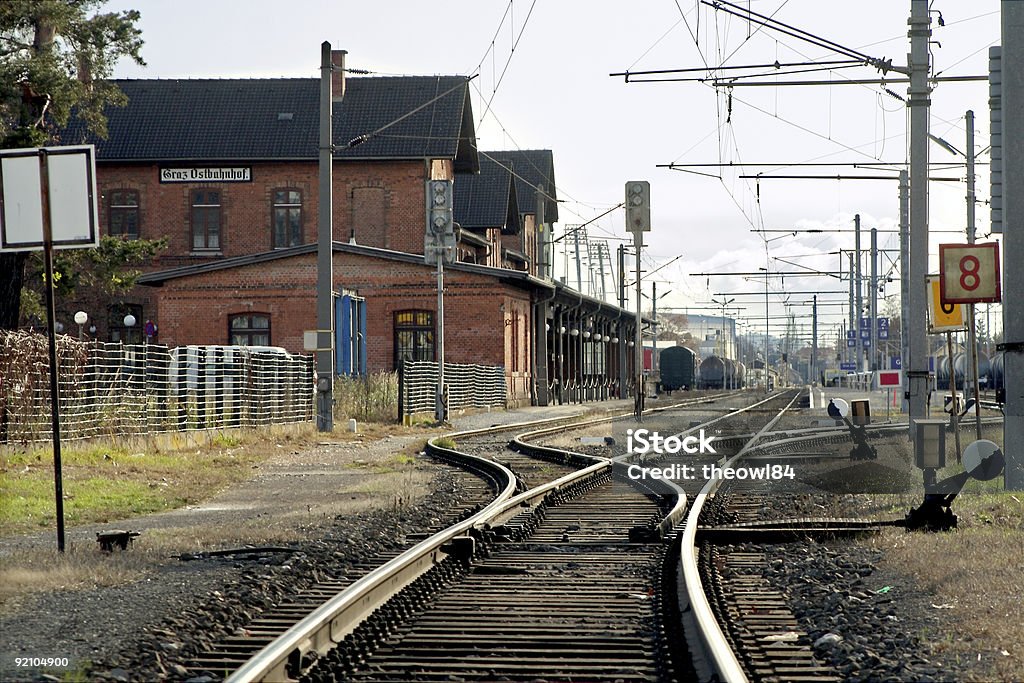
pixel 227 171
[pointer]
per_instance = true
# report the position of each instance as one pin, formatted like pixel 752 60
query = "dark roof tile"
pixel 239 119
pixel 488 199
pixel 534 169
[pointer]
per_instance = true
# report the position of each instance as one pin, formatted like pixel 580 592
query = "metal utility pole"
pixel 814 341
pixel 1013 251
pixel 918 99
pixel 972 337
pixel 324 258
pixel 638 409
pixel 904 282
pixel 859 293
pixel 623 375
pixel 873 301
pixel 725 347
pixel 654 329
pixel 766 389
pixel 579 273
pixel 853 317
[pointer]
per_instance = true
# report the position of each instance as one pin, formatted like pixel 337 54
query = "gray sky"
pixel 553 91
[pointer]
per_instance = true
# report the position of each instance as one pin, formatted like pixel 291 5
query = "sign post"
pixel 638 221
pixel 888 379
pixel 969 274
pixel 49 202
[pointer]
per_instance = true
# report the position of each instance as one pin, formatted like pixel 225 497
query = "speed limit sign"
pixel 969 273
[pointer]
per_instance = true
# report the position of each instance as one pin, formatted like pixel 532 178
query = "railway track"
pixel 568 573
pixel 482 481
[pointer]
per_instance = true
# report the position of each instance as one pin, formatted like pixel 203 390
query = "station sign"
pixel 883 329
pixel 942 317
pixel 969 273
pixel 852 367
pixel 895 363
pixel 207 174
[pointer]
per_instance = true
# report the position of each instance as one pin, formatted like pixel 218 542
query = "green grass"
pixel 445 442
pixel 104 482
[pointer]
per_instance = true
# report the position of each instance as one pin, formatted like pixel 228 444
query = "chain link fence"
pixel 117 390
pixel 469 386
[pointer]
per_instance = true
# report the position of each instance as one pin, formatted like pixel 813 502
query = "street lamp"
pixel 81 317
pixel 129 322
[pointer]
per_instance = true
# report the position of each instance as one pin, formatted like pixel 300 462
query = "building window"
pixel 414 336
pixel 123 214
pixel 286 214
pixel 119 331
pixel 249 329
pixel 206 228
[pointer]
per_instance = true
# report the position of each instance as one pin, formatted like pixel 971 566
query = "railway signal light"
pixel 638 206
pixel 439 207
pixel 440 236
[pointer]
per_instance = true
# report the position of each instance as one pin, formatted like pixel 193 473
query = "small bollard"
pixel 353 426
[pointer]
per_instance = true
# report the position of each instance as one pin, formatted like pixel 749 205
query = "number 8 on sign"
pixel 969 278
pixel 969 273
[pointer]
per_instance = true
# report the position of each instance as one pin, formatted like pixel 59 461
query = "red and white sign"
pixel 888 378
pixel 969 273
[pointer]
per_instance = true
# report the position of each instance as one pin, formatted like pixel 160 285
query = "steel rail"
pixel 323 628
pixel 715 647
pixel 339 616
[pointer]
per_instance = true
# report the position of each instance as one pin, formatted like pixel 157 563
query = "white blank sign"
pixel 71 185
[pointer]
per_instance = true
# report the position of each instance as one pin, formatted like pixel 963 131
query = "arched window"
pixel 414 336
pixel 249 329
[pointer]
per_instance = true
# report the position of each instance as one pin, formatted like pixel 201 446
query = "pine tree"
pixel 55 57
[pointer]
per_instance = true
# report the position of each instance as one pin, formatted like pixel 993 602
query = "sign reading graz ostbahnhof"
pixel 205 174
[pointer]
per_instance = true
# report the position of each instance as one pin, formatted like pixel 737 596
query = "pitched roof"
pixel 278 118
pixel 488 199
pixel 534 169
pixel 518 277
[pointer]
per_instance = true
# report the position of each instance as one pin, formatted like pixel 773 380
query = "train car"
pixel 678 366
pixel 996 379
pixel 960 369
pixel 714 372
pixel 740 376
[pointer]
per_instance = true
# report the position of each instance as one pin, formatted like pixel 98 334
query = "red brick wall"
pixel 486 322
pixel 246 207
